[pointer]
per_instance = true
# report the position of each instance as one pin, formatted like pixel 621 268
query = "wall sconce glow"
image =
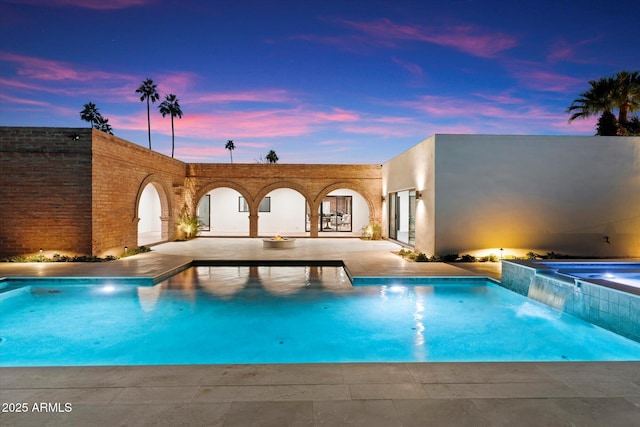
pixel 418 195
pixel 501 253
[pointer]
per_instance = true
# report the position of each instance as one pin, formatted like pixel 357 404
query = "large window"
pixel 334 214
pixel 265 205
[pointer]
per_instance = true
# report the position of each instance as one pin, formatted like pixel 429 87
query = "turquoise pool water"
pixel 214 315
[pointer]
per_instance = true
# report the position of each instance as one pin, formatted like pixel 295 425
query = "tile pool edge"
pixel 594 301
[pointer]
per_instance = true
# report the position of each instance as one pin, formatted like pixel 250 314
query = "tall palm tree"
pixel 272 157
pixel 170 106
pixel 149 93
pixel 90 114
pixel 230 146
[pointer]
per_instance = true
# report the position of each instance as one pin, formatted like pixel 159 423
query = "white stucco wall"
pixel 413 169
pixel 225 217
pixel 286 216
pixel 540 193
pixel 524 193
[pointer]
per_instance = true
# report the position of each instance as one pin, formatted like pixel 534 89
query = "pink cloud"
pixel 414 69
pixel 14 100
pixel 466 38
pixel 87 4
pixel 51 70
pixel 563 51
pixel 536 76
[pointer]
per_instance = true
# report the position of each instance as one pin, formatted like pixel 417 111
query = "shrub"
pixel 468 258
pixel 420 257
pixel 450 257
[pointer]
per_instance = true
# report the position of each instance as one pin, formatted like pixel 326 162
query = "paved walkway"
pixel 408 394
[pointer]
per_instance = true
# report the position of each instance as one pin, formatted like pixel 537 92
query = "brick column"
pixel 313 226
pixel 253 225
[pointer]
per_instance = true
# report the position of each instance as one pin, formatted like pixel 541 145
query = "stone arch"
pixel 212 185
pixel 255 203
pixel 218 184
pixel 373 211
pixel 165 205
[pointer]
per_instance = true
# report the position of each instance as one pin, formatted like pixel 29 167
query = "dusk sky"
pixel 317 81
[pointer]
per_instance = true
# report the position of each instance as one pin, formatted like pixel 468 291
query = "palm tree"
pixel 230 146
pixel 103 125
pixel 90 114
pixel 272 157
pixel 595 101
pixel 171 107
pixel 621 92
pixel 149 93
pixel 626 94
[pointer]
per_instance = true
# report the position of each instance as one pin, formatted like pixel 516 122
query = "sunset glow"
pixel 318 82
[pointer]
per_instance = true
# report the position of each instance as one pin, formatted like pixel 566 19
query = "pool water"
pixel 220 315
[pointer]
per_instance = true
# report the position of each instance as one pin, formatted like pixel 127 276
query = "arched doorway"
pixel 223 211
pixel 282 211
pixel 342 212
pixel 149 216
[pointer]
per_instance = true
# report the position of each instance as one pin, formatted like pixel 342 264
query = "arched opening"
pixel 149 216
pixel 342 212
pixel 223 211
pixel 282 211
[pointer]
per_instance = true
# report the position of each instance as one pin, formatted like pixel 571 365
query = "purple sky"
pixel 327 81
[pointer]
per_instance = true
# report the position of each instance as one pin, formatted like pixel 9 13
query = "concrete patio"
pixel 407 394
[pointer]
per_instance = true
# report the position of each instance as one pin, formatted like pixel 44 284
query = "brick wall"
pixel 121 170
pixel 81 196
pixel 45 190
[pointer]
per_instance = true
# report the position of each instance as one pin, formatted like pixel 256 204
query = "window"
pixel 265 205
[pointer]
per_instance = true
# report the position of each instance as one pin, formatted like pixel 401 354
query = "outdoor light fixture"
pixel 41 251
pixel 418 195
pixel 382 199
pixel 501 253
pixel 74 136
pixel 126 248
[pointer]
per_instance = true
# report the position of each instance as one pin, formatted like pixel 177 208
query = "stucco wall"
pixel 537 193
pixel 45 190
pixel 413 169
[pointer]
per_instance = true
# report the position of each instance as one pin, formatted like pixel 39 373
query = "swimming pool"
pixel 220 315
pixel 624 273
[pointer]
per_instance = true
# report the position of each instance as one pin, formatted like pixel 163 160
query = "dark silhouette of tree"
pixel 90 114
pixel 171 106
pixel 272 157
pixel 621 92
pixel 230 146
pixel 148 92
pixel 607 125
pixel 104 126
